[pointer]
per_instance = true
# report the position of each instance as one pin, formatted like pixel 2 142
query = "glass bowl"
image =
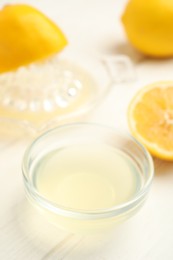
pixel 87 177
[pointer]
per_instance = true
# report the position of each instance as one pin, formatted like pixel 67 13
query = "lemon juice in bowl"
pixel 86 177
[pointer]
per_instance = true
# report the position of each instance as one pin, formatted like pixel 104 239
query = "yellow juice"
pixel 86 177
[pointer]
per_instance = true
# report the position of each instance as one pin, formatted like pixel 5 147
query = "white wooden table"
pixel 93 27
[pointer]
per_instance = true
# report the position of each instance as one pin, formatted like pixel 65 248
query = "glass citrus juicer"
pixel 57 90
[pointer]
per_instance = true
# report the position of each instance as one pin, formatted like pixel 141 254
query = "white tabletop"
pixel 93 27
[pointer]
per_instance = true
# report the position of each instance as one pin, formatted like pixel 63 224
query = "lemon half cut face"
pixel 150 117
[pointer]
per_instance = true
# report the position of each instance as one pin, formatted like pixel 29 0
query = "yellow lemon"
pixel 26 35
pixel 150 117
pixel 149 26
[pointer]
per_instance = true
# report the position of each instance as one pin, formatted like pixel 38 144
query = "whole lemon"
pixel 149 26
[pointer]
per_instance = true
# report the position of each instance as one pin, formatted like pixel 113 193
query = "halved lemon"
pixel 150 118
pixel 26 36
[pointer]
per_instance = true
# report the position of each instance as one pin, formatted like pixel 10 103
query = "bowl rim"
pixel 34 196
